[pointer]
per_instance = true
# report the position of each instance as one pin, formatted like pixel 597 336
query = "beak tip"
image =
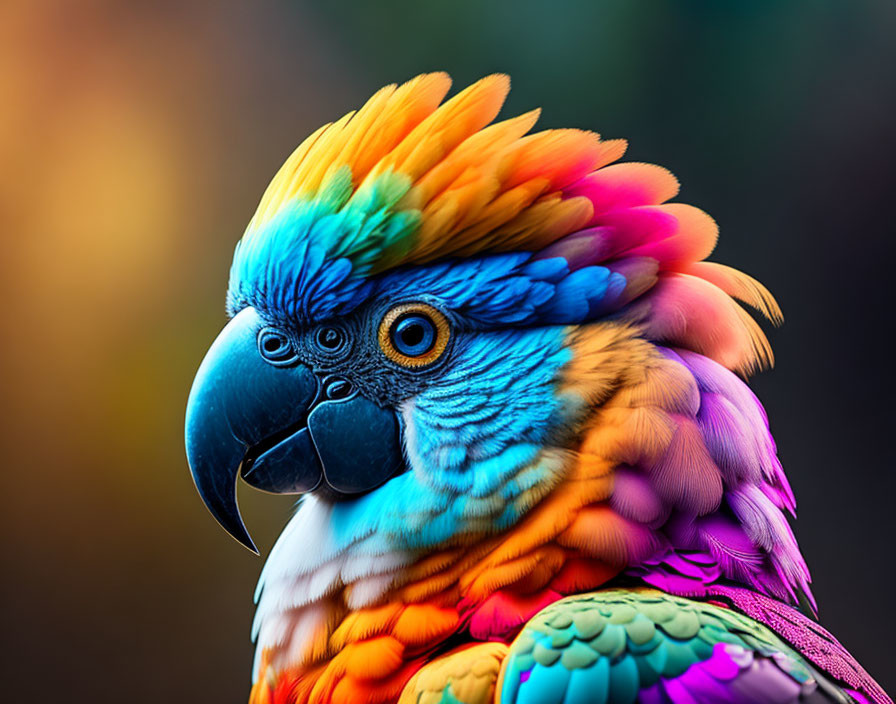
pixel 238 532
pixel 229 518
pixel 243 538
pixel 250 546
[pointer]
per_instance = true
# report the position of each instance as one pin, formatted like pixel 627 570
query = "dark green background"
pixel 135 140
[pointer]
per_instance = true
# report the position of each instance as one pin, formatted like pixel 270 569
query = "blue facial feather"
pixel 462 452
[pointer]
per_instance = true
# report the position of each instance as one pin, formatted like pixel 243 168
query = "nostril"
pixel 336 389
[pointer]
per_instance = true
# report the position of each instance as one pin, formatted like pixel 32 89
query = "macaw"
pixel 510 391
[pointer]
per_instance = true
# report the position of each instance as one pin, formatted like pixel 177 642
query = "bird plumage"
pixel 589 424
pixel 623 645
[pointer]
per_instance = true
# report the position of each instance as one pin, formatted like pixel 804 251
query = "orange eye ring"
pixel 413 335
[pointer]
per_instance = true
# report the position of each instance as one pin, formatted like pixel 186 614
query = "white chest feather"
pixel 307 564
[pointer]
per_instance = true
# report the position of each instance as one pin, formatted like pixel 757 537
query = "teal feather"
pixel 615 646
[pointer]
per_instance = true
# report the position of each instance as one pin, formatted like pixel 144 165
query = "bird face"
pixel 407 380
pixel 281 406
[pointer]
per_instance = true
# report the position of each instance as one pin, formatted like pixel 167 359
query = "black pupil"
pixel 272 343
pixel 412 334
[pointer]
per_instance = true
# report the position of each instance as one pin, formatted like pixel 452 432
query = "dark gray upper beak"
pixel 237 401
pixel 274 424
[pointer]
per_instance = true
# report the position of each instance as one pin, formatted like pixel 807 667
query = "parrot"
pixel 510 392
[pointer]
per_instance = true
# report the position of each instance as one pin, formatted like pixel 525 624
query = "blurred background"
pixel 135 141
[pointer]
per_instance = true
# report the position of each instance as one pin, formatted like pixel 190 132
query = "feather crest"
pixel 405 182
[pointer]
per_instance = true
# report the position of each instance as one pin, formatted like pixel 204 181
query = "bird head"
pixel 428 311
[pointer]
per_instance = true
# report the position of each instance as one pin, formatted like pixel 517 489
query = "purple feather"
pixel 731 675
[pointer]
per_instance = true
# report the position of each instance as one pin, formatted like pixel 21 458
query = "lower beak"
pixel 275 427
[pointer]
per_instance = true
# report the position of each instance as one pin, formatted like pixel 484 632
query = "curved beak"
pixel 237 402
pixel 276 428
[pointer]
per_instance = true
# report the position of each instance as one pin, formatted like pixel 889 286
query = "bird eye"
pixel 414 334
pixel 275 347
pixel 330 339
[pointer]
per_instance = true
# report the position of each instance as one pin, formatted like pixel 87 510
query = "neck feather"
pixel 671 475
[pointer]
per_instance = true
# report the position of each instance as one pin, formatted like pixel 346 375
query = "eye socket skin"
pixel 414 334
pixel 331 339
pixel 275 347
